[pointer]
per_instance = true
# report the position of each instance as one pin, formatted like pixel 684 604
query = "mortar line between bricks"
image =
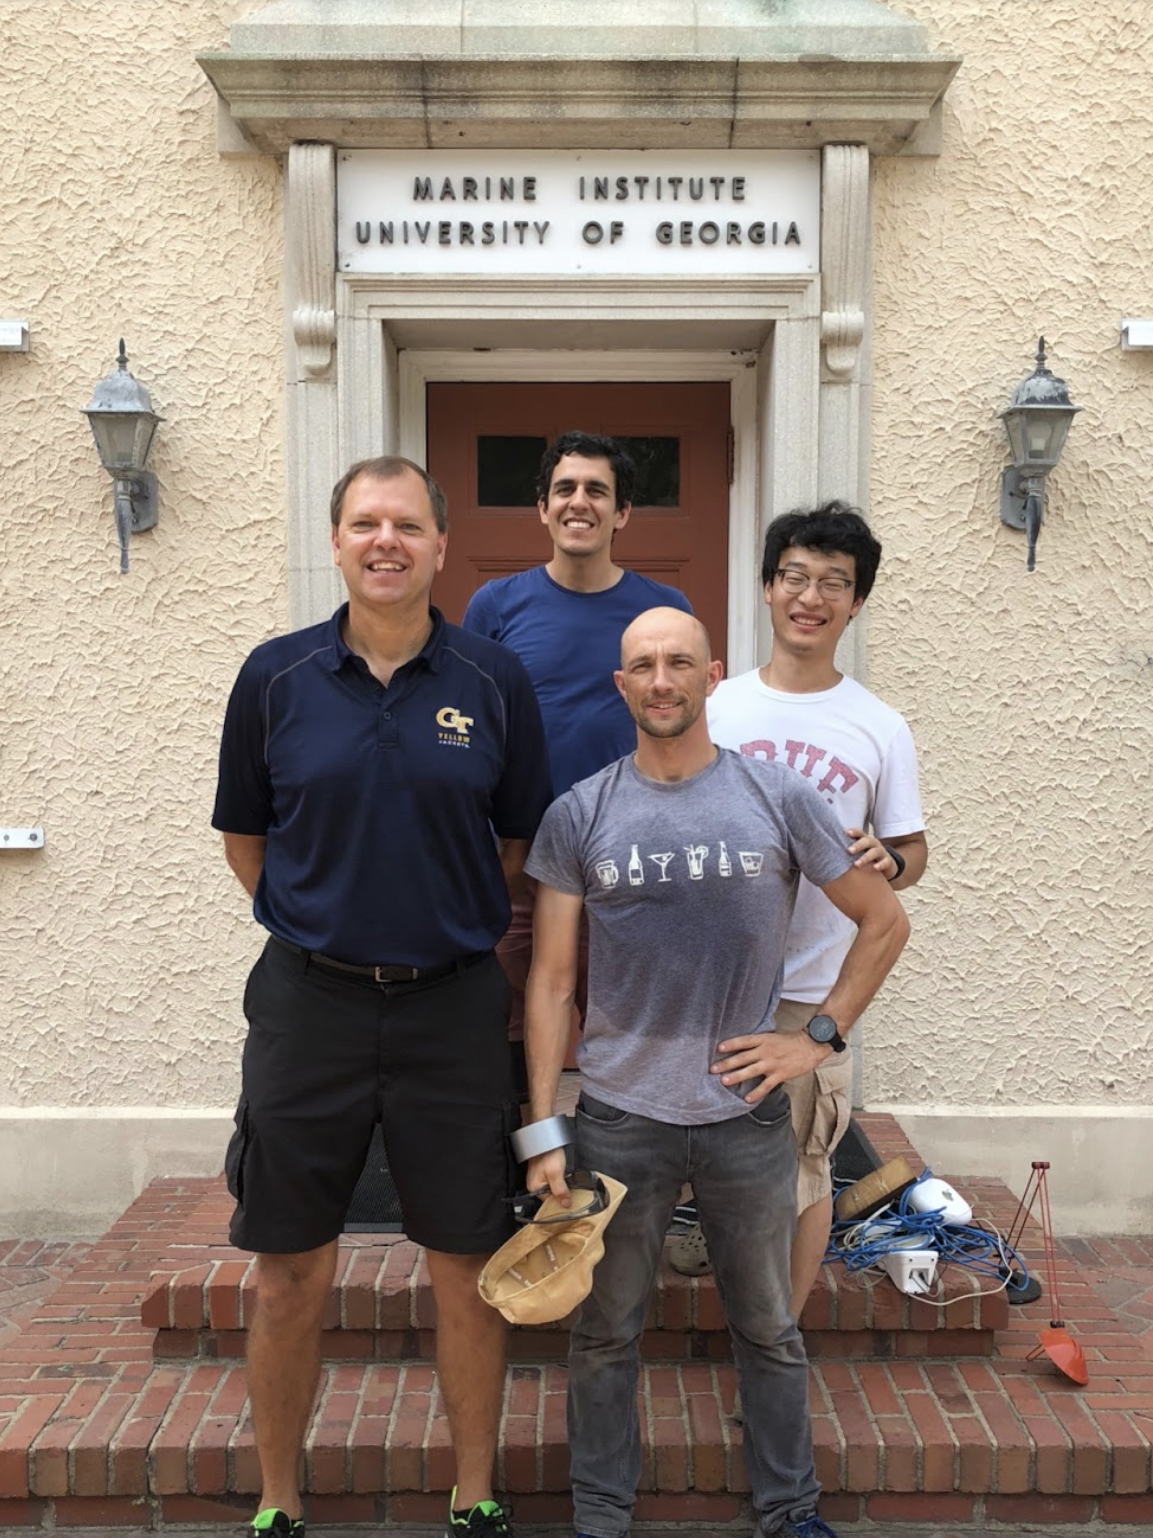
pixel 954 1438
pixel 994 1441
pixel 501 1465
pixel 959 1382
pixel 1132 1422
pixel 320 1402
pixel 540 1401
pixel 206 1291
pixel 727 1425
pixel 97 1410
pixel 218 1388
pixel 231 1448
pixel 643 1384
pixel 354 1424
pixel 918 1440
pixel 878 1438
pixel 830 1410
pixel 414 1297
pixel 907 1419
pixel 683 1401
pixel 341 1284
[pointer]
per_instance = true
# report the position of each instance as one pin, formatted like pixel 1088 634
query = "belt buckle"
pixel 413 972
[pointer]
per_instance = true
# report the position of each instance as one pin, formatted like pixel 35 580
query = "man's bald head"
pixel 671 626
pixel 666 673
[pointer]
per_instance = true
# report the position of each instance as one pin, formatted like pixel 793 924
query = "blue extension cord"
pixel 861 1243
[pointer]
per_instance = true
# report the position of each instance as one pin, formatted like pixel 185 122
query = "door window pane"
pixel 506 470
pixel 658 462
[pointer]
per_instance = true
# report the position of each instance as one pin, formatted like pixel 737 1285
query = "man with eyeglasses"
pixel 858 754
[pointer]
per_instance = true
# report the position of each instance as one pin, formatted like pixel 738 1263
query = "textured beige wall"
pixel 1031 696
pixel 123 940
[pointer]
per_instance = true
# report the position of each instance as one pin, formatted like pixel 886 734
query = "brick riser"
pixel 94 1432
pixel 552 1346
pixel 381 1309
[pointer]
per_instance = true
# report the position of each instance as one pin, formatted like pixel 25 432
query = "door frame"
pixel 417 368
pixel 809 333
pixel 763 334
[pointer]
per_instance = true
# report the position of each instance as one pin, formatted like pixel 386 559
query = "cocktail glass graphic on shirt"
pixel 698 854
pixel 751 861
pixel 663 860
pixel 607 873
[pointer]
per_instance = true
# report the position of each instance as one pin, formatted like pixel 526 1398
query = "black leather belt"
pixel 386 972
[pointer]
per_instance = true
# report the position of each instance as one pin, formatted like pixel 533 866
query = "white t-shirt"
pixel 858 755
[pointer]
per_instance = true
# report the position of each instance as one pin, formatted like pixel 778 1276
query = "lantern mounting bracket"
pixel 1015 493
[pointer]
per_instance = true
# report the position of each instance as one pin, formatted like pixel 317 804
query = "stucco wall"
pixel 1028 981
pixel 1031 696
pixel 123 939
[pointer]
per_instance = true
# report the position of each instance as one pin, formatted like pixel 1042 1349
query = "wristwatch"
pixel 823 1029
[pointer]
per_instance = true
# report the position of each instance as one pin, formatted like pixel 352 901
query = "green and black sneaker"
pixel 274 1523
pixel 487 1519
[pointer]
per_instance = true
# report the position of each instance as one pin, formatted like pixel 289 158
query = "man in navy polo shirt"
pixel 368 768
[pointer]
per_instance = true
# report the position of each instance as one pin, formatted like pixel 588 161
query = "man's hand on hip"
pixel 772 1055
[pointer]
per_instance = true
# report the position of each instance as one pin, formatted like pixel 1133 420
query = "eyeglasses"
pixel 828 587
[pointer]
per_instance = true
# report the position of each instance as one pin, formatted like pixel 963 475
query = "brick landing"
pixel 96 1433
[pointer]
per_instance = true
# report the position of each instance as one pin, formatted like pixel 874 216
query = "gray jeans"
pixel 744 1175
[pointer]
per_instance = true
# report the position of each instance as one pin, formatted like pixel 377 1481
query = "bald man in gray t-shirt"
pixel 702 874
pixel 687 858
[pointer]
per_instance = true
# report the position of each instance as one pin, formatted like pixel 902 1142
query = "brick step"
pixel 897 1441
pixel 96 1433
pixel 380 1309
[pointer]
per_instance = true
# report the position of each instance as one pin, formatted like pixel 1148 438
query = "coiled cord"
pixel 860 1244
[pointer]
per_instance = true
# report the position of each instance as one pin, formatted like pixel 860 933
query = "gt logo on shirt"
pixel 455 733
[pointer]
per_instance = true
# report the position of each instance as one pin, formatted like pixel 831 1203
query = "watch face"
pixel 822 1028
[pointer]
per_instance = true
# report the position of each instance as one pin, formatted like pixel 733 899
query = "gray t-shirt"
pixel 689 887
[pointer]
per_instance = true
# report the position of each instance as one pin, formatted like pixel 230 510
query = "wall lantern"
pixel 122 420
pixel 1037 422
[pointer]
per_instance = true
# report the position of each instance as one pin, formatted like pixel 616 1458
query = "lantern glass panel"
pixel 115 436
pixel 145 430
pixel 1036 436
pixel 123 438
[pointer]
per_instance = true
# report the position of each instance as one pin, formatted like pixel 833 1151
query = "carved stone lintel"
pixel 311 253
pixel 844 256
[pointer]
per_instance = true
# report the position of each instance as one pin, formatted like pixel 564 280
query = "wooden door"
pixel 485 442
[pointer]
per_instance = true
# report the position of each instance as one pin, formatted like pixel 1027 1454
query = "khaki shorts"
pixel 821 1109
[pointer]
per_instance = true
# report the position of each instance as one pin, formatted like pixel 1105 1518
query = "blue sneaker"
pixel 809 1526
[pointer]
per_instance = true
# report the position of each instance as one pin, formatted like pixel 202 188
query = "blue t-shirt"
pixel 380 804
pixel 570 643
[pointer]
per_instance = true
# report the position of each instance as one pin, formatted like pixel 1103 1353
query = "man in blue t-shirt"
pixel 565 621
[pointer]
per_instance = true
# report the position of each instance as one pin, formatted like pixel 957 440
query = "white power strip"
pixel 912 1271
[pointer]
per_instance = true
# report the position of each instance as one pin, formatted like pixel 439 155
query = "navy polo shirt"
pixel 380 804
